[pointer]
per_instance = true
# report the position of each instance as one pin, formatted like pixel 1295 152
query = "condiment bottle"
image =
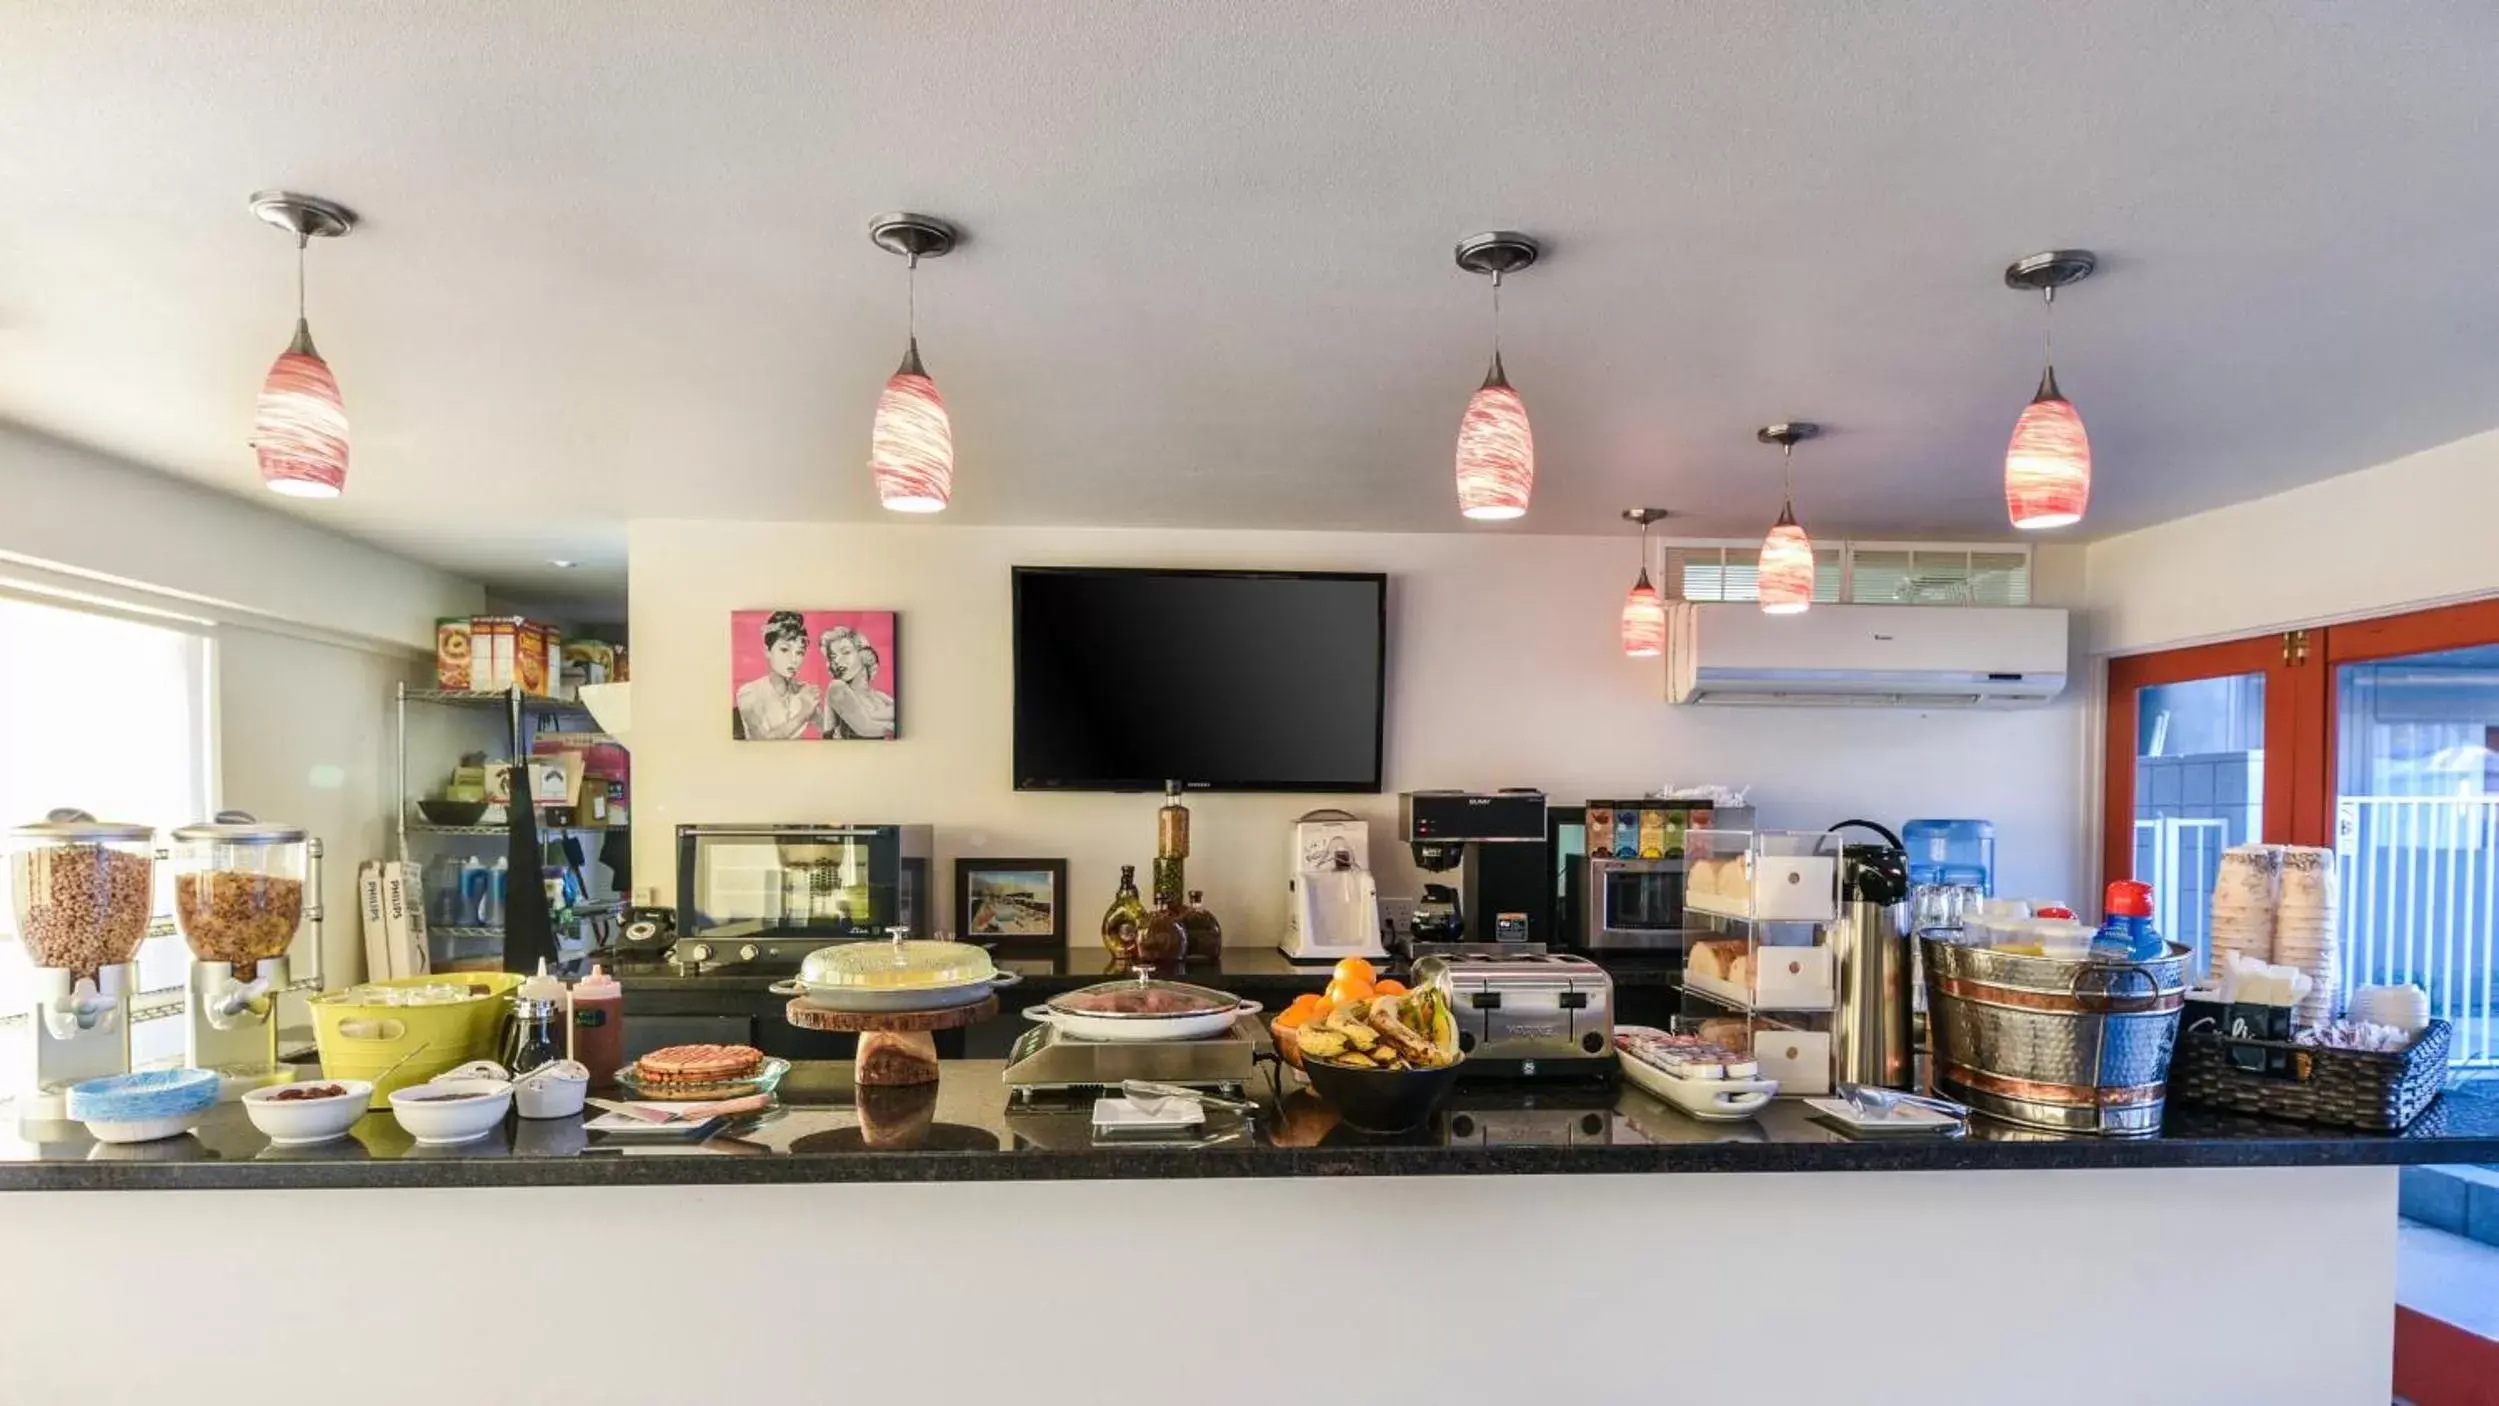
pixel 535 1035
pixel 1124 924
pixel 599 1025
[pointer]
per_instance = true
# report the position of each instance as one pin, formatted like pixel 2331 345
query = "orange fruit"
pixel 1344 992
pixel 1292 1019
pixel 1389 988
pixel 1323 1010
pixel 1357 971
pixel 1306 1002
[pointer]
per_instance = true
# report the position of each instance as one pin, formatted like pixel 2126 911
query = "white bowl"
pixel 556 1091
pixel 300 1122
pixel 451 1110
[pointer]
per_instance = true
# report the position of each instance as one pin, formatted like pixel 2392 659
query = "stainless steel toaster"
pixel 1549 1015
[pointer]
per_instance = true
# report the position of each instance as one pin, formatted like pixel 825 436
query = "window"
pixel 2378 739
pixel 107 714
pixel 1870 573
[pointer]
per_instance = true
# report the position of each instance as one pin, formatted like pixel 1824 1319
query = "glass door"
pixel 2414 759
pixel 2189 773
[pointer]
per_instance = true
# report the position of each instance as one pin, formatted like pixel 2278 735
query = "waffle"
pixel 698 1064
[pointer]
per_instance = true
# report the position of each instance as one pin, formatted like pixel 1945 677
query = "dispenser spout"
pixel 241 1003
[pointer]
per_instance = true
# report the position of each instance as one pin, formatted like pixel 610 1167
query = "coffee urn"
pixel 1874 1018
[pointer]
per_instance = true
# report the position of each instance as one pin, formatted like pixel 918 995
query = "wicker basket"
pixel 2348 1088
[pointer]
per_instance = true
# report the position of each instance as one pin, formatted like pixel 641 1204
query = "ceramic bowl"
pixel 557 1090
pixel 145 1106
pixel 450 1111
pixel 440 812
pixel 1382 1100
pixel 300 1122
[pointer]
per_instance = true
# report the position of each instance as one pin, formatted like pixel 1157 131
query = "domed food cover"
pixel 1143 1009
pixel 1143 997
pixel 903 964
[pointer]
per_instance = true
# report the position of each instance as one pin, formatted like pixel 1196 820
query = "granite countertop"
pixel 965 1128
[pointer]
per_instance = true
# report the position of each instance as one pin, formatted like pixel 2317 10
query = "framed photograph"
pixel 1010 900
pixel 815 675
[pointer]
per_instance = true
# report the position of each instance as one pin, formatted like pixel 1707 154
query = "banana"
pixel 1396 1035
pixel 1318 1043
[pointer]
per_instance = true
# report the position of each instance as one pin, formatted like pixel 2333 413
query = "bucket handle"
pixel 372 1029
pixel 2111 978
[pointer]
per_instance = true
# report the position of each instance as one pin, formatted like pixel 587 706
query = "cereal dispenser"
pixel 82 892
pixel 240 893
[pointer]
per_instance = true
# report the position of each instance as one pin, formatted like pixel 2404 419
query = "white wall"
pixel 1505 669
pixel 2410 532
pixel 92 516
pixel 305 735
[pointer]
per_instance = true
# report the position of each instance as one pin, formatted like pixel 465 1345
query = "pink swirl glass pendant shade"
pixel 911 446
pixel 1496 452
pixel 300 428
pixel 1644 621
pixel 1785 582
pixel 2047 467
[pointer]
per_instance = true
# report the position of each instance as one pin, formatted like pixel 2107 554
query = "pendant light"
pixel 1785 578
pixel 299 429
pixel 911 444
pixel 1644 610
pixel 1496 449
pixel 2047 467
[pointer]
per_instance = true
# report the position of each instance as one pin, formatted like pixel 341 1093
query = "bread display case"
pixel 1765 976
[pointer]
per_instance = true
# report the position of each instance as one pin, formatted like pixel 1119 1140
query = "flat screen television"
pixel 1223 680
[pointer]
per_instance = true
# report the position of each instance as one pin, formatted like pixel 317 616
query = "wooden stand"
pixel 897 1047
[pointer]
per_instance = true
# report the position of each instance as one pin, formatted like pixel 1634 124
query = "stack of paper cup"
pixel 2244 903
pixel 2306 933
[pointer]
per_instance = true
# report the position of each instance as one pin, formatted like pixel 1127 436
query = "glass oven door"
pixel 1636 902
pixel 818 883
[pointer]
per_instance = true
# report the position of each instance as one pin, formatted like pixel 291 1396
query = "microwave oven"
pixel 1630 871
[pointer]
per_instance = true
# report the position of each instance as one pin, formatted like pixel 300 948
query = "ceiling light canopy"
pixel 299 428
pixel 1644 610
pixel 1496 447
pixel 911 444
pixel 1785 577
pixel 2047 467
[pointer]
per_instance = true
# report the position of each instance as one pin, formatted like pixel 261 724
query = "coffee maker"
pixel 1495 841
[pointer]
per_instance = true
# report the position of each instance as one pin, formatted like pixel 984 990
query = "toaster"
pixel 1548 1015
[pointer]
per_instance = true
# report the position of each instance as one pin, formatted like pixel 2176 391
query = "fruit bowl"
pixel 1383 1100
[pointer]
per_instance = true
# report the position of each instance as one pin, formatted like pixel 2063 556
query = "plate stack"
pixel 2244 902
pixel 2306 934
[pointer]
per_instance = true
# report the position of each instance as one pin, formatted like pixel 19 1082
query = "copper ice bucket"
pixel 2046 1042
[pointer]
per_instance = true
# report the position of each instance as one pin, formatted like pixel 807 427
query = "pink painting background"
pixel 746 648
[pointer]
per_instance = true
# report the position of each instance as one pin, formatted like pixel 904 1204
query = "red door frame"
pixel 2300 739
pixel 2389 637
pixel 2131 674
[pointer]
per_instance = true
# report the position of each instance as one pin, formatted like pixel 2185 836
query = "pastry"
pixel 699 1064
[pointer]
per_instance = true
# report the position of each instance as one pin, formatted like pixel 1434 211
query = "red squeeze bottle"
pixel 599 1026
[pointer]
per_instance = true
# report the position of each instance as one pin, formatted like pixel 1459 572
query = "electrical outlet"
pixel 1396 922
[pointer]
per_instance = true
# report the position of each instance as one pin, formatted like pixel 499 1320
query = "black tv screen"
pixel 1224 680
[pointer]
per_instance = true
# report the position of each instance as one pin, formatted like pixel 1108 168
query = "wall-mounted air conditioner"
pixel 1896 656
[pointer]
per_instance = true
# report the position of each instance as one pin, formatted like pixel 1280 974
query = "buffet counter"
pixel 968 1127
pixel 820 1253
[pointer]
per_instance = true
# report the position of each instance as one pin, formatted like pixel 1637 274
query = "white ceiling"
pixel 614 264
